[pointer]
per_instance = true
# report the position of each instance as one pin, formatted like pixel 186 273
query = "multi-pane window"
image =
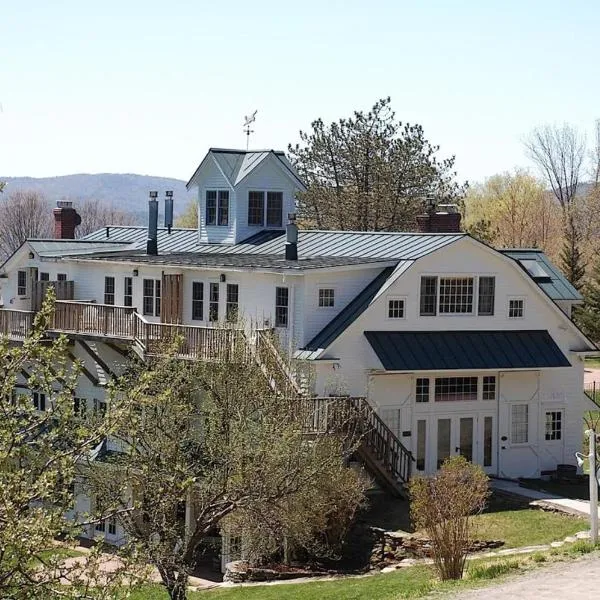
pixel 232 302
pixel 274 209
pixel 128 291
pixel 61 277
pixel 213 302
pixel 326 297
pixel 282 298
pixel 395 308
pixel 44 276
pixel 197 301
pixel 487 441
pixel 217 207
pixel 553 425
pixel 21 283
pixel 516 308
pixel 79 406
pixel 421 444
pixel 39 401
pixel 487 287
pixel 100 407
pixel 519 430
pixel 456 295
pixel 109 290
pixel 256 208
pixel 422 390
pixel 455 389
pixel 489 387
pixel 428 302
pixel 151 297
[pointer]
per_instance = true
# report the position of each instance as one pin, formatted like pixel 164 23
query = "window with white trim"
pixel 486 293
pixel 61 277
pixel 282 300
pixel 274 209
pixel 489 387
pixel 326 297
pixel 519 424
pixel 44 276
pixel 39 401
pixel 109 290
pixel 151 297
pixel 21 283
pixel 456 295
pixel 232 302
pixel 516 308
pixel 428 300
pixel 553 425
pixel 128 291
pixel 422 390
pixel 197 301
pixel 395 308
pixel 217 207
pixel 270 212
pixel 213 302
pixel 455 389
pixel 79 407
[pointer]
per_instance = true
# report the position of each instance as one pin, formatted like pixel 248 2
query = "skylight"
pixel 535 269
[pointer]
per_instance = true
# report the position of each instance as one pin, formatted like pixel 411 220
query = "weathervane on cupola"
pixel 248 120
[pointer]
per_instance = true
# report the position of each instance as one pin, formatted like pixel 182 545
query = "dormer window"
pixel 271 213
pixel 217 207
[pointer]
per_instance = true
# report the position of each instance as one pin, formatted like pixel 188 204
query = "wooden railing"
pixel 94 319
pixel 274 365
pixel 15 324
pixel 377 439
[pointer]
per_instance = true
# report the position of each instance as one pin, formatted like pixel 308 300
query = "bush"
pixel 443 505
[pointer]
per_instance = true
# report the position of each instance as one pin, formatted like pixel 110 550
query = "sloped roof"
pixel 55 248
pixel 555 284
pixel 401 246
pixel 236 165
pixel 451 350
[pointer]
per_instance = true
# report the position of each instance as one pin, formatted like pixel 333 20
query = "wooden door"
pixel 171 304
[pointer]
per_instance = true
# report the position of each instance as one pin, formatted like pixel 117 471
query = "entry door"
pixel 455 435
pixel 171 305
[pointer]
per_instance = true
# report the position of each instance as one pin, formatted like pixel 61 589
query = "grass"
pixel 59 552
pixel 592 363
pixel 527 527
pixel 492 570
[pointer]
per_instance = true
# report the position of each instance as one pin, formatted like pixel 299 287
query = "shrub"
pixel 442 505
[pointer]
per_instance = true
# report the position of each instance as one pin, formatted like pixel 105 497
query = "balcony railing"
pixel 15 324
pixel 103 320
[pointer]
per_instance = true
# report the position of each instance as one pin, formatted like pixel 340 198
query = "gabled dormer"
pixel 243 192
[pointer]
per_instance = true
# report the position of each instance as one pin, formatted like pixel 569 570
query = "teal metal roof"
pixel 546 275
pixel 450 350
pixel 346 317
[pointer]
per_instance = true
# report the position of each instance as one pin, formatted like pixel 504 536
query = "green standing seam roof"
pixel 345 318
pixel 557 287
pixel 450 350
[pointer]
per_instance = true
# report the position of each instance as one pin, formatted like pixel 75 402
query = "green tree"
pixel 189 218
pixel 588 316
pixel 370 172
pixel 40 450
pixel 212 440
pixel 572 262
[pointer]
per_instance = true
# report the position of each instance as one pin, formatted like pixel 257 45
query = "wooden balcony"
pixel 15 324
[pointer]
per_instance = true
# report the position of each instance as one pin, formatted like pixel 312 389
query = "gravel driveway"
pixel 577 579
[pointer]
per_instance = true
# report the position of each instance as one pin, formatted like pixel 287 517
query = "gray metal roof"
pixel 311 243
pixel 315 348
pixel 556 285
pixel 449 350
pixel 245 261
pixel 54 248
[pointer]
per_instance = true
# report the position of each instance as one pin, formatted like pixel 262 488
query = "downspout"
pixel 498 425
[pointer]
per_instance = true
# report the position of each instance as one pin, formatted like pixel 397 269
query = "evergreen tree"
pixel 588 317
pixel 571 259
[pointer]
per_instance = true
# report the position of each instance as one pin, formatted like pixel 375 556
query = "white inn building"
pixel 452 346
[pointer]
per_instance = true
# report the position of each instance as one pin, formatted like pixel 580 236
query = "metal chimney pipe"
pixel 152 243
pixel 291 238
pixel 169 210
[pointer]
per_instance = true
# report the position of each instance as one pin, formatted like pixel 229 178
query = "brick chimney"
pixel 444 219
pixel 65 221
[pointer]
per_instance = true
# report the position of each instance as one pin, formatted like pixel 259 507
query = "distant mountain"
pixel 125 191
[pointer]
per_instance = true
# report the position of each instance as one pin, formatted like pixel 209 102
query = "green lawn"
pixel 592 363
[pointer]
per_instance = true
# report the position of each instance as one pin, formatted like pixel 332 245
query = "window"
pixel 109 290
pixel 217 207
pixel 456 295
pixel 326 298
pixel 256 208
pixel 395 308
pixel 282 299
pixel 100 407
pixel 197 301
pixel 455 389
pixel 112 526
pixel 128 291
pixel 211 207
pixel 428 296
pixel 231 306
pixel 21 283
pixel 554 425
pixel 487 286
pixel 519 431
pixel 151 298
pixel 516 308
pixel 39 401
pixel 61 277
pixel 421 444
pixel 422 391
pixel 44 276
pixel 489 387
pixel 487 441
pixel 213 302
pixel 79 407
pixel 274 209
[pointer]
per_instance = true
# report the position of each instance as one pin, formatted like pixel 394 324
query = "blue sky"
pixel 147 87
